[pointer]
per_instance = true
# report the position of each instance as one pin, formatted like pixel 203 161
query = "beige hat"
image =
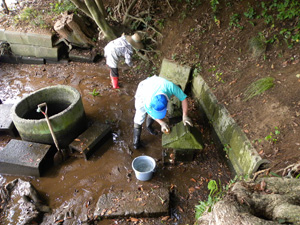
pixel 135 41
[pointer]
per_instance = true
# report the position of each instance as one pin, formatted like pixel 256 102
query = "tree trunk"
pixel 73 29
pixel 96 11
pixel 268 201
pixel 4 6
pixel 100 20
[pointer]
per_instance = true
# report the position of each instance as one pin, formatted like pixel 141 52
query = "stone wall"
pixel 32 45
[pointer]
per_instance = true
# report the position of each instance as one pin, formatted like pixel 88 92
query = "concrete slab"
pixel 242 155
pixel 183 137
pixel 6 123
pixel 152 203
pixel 25 158
pixel 85 142
pixel 178 74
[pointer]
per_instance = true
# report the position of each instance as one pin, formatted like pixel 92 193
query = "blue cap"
pixel 158 106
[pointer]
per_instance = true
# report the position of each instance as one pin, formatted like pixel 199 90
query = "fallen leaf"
pixel 139 199
pixel 192 179
pixel 165 218
pixel 132 219
pixel 261 152
pixel 263 185
pixel 191 190
pixel 180 209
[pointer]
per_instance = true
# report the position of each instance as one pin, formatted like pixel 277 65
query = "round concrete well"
pixel 65 112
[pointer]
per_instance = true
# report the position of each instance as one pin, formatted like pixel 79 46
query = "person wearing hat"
pixel 120 47
pixel 151 99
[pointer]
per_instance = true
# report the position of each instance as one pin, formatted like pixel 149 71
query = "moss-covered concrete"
pixel 183 137
pixel 32 44
pixel 178 74
pixel 67 124
pixel 243 156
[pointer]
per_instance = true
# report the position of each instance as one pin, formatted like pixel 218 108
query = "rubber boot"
pixel 137 130
pixel 114 82
pixel 149 122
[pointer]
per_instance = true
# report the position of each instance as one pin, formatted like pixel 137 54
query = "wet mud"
pixel 74 187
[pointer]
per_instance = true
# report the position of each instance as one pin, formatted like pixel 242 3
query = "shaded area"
pixel 73 188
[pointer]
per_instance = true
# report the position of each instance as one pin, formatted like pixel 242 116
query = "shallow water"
pixel 77 183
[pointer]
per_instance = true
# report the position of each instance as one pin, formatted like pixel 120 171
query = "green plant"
pixel 217 192
pixel 227 148
pixel 62 6
pixel 219 77
pixel 235 21
pixel 273 137
pixel 94 93
pixel 258 87
pixel 250 13
pixel 214 5
pixel 214 196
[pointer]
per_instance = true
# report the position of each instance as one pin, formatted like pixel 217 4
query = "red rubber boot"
pixel 114 82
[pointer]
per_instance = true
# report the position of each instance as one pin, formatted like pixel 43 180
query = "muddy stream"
pixel 77 184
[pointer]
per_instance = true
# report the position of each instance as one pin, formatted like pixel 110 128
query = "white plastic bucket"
pixel 143 167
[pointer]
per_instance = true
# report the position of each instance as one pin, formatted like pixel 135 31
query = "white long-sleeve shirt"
pixel 117 48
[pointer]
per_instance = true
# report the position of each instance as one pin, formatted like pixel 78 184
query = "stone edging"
pixel 242 155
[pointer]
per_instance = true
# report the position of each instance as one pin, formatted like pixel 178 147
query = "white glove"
pixel 186 120
pixel 164 127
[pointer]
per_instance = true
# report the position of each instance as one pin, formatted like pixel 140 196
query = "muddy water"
pixel 77 184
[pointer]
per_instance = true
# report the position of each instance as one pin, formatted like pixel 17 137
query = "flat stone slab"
pixel 25 158
pixel 6 123
pixel 86 141
pixel 183 137
pixel 152 203
pixel 176 73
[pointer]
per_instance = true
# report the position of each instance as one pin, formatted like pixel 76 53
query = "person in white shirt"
pixel 120 47
pixel 152 98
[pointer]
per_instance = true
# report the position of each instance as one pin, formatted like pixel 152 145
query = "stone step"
pixel 6 123
pixel 96 134
pixel 26 158
pixel 183 137
pixel 151 203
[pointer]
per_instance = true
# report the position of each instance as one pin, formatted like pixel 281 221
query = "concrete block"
pixel 47 53
pixel 43 40
pixel 35 51
pixel 10 59
pixel 242 155
pixel 178 74
pixel 2 35
pixel 13 37
pixel 25 158
pixel 182 137
pixel 152 203
pixel 23 50
pixel 6 123
pixel 85 142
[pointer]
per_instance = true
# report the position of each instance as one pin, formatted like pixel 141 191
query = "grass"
pixel 258 87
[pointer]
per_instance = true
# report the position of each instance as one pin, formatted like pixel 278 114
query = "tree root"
pixel 270 200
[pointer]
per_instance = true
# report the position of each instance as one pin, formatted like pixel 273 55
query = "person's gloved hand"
pixel 186 120
pixel 164 127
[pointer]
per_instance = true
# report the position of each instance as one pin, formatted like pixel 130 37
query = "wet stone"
pixel 152 203
pixel 25 158
pixel 6 123
pixel 85 143
pixel 183 137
